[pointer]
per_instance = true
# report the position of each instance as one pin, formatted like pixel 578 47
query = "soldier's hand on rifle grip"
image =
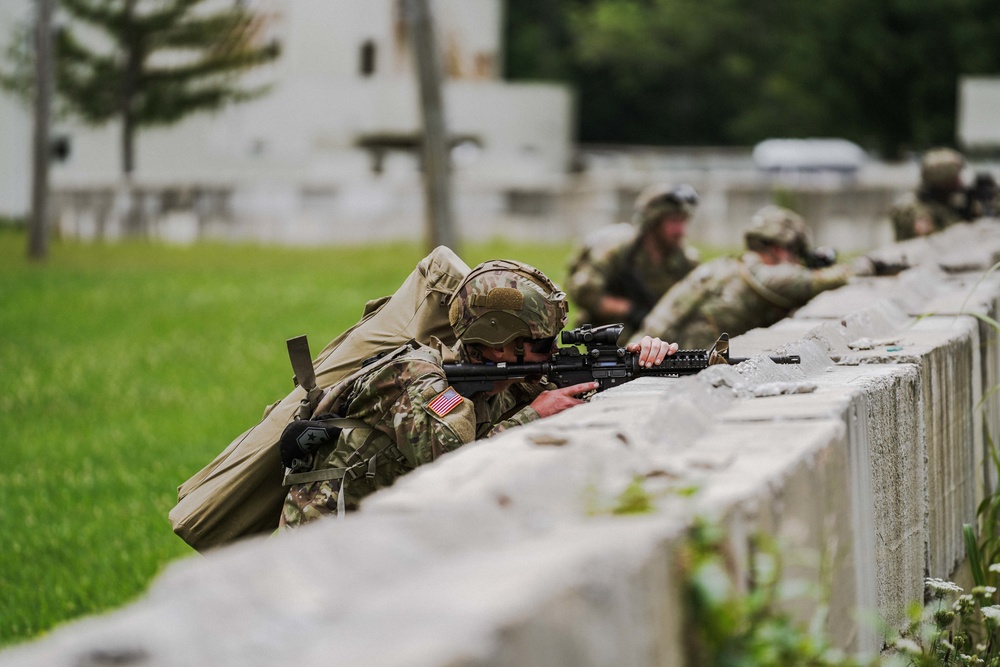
pixel 554 401
pixel 652 351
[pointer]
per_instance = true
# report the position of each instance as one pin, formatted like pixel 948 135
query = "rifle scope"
pixel 589 335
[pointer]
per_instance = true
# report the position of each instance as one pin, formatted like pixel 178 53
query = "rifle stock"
pixel 602 361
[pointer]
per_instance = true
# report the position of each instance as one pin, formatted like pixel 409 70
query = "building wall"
pixel 979 113
pixel 326 118
pixel 15 124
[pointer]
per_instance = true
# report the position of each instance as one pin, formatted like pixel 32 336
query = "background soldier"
pixel 623 270
pixel 940 201
pixel 405 414
pixel 758 289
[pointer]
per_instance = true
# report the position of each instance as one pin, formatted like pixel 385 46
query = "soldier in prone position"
pixel 734 295
pixel 942 198
pixel 622 271
pixel 408 415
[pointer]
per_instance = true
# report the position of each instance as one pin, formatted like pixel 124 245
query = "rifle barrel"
pixel 778 359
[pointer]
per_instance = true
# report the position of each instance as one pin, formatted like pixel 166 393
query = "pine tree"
pixel 150 63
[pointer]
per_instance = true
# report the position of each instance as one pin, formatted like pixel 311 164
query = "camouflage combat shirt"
pixel 911 207
pixel 597 270
pixel 734 295
pixel 408 429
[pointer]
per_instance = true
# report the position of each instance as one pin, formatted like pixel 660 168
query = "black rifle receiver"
pixel 602 361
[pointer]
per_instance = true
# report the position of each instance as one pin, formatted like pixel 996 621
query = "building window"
pixel 368 58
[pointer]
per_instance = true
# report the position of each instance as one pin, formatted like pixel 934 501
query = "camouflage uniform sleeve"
pixel 830 277
pixel 492 412
pixel 423 433
pixel 905 214
pixel 597 262
pixel 525 415
pixel 793 285
pixel 588 280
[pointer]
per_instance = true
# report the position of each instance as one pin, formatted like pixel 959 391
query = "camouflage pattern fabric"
pixel 735 295
pixel 394 399
pixel 924 206
pixel 519 300
pixel 607 254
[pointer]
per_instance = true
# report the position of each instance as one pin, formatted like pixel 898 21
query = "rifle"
pixel 602 361
pixel 982 196
pixel 820 258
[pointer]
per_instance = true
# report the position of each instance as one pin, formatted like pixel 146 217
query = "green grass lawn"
pixel 124 369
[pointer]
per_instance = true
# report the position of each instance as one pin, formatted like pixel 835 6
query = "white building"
pixel 979 113
pixel 329 154
pixel 332 148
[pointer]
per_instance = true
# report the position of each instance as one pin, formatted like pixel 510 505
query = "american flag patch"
pixel 445 402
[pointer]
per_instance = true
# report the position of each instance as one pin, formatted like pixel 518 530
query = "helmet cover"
pixel 661 199
pixel 778 226
pixel 941 167
pixel 503 300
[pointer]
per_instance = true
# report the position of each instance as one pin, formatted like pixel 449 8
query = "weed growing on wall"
pixel 732 623
pixel 955 630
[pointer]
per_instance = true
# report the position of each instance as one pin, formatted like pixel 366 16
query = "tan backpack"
pixel 240 493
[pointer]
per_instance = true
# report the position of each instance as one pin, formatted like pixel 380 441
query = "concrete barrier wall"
pixel 851 216
pixel 863 461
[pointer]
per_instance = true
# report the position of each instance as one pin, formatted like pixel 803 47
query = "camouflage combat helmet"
pixel 658 200
pixel 502 300
pixel 777 226
pixel 941 167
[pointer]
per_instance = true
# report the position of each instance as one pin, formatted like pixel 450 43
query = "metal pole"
pixel 437 187
pixel 38 224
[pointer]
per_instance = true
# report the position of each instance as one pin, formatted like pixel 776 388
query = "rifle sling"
pixel 763 291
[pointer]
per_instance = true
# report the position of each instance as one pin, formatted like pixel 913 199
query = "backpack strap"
pixel 305 374
pixel 326 473
pixel 368 463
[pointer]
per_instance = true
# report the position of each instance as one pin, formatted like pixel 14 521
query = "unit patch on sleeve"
pixel 445 402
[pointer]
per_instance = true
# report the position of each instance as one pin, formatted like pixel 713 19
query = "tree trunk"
pixel 437 187
pixel 131 220
pixel 38 237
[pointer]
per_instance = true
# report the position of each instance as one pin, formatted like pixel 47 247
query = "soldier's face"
pixel 671 229
pixel 774 255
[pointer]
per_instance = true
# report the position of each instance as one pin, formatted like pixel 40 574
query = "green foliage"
pixel 988 512
pixel 128 367
pixel 695 72
pixel 956 629
pixel 730 625
pixel 204 51
pixel 148 62
pixel 634 499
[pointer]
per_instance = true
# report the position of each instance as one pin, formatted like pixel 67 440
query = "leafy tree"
pixel 161 61
pixel 881 72
pixel 888 71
